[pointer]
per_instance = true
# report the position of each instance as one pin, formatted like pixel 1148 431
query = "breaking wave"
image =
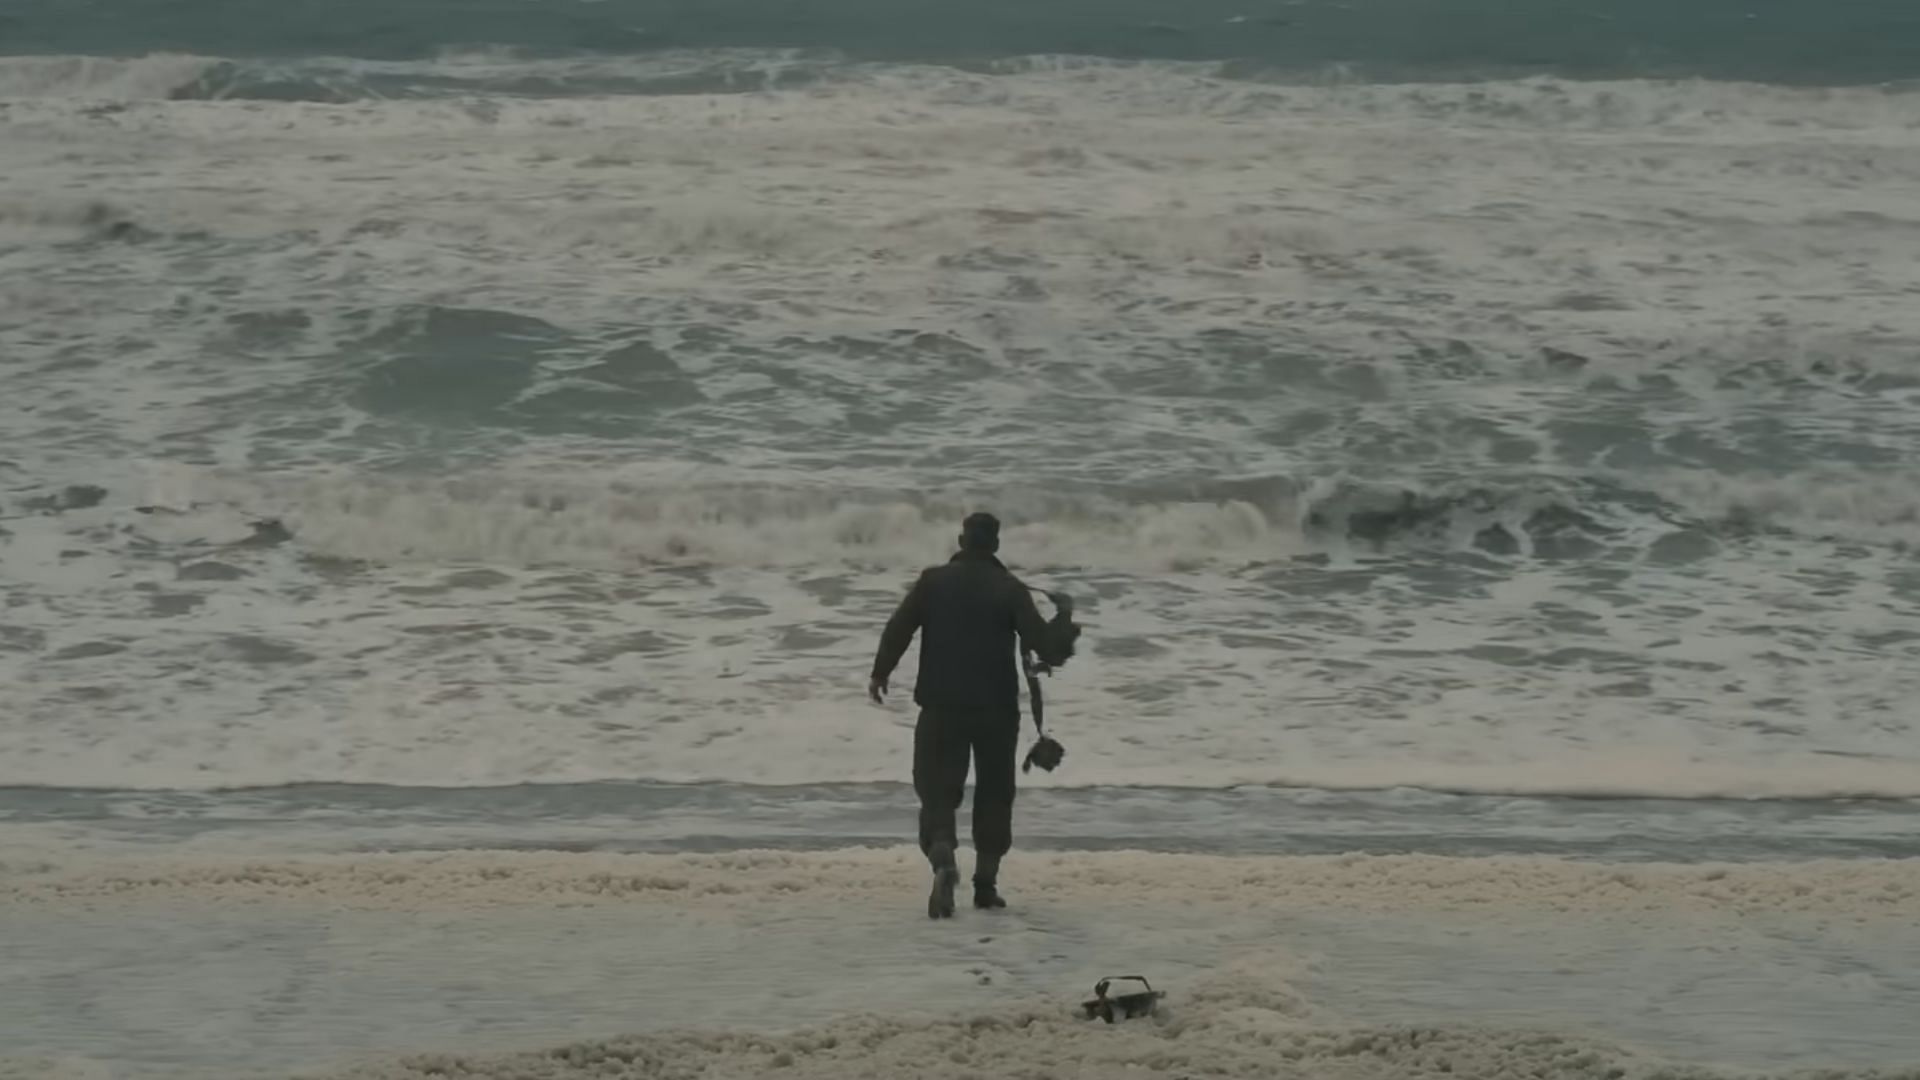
pixel 497 72
pixel 154 77
pixel 535 519
pixel 1149 87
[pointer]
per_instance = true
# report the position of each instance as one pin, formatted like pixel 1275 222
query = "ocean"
pixel 458 456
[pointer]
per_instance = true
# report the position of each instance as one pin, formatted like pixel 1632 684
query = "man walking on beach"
pixel 969 611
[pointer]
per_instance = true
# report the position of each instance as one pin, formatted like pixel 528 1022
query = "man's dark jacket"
pixel 969 612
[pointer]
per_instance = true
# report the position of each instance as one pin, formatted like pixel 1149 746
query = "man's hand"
pixel 877 690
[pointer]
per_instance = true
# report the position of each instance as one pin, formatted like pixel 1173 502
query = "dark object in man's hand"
pixel 1065 632
pixel 1046 753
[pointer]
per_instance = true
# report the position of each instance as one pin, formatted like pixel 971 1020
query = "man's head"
pixel 981 533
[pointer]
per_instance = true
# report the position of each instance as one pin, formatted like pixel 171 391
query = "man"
pixel 970 610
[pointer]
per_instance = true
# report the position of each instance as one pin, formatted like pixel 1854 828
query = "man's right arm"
pixel 900 630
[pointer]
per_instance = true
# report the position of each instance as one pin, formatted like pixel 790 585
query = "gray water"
pixel 1795 41
pixel 1507 438
pixel 647 817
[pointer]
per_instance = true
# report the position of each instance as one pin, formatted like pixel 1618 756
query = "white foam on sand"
pixel 1245 1023
pixel 540 965
pixel 1227 1030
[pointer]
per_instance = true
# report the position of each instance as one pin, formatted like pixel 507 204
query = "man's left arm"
pixel 896 637
pixel 1052 641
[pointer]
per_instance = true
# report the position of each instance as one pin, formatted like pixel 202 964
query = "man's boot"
pixel 986 894
pixel 946 877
